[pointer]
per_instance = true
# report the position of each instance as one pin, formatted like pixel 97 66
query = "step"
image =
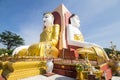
pixel 64 67
pixel 67 73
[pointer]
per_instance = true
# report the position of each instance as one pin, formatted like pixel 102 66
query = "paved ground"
pixel 53 77
pixel 116 78
pixel 57 77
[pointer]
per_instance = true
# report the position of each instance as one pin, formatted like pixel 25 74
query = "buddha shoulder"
pixel 56 25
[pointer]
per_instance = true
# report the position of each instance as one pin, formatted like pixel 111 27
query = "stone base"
pixel 49 74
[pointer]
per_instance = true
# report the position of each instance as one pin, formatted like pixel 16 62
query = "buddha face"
pixel 48 19
pixel 75 21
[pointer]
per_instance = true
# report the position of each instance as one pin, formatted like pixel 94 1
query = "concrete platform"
pixel 58 77
pixel 116 78
pixel 53 77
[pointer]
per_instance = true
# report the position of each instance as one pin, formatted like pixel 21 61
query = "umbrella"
pixel 86 51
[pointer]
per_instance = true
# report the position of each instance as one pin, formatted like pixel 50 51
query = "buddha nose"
pixel 44 21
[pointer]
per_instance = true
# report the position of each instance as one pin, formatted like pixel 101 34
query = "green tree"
pixel 118 52
pixel 2 51
pixel 10 40
pixel 108 51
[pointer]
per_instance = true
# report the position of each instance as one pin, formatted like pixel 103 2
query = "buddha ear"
pixel 44 27
pixel 70 20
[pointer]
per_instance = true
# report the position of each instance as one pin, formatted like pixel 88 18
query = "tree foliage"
pixel 2 51
pixel 10 40
pixel 109 51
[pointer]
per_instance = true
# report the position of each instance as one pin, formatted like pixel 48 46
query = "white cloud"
pixel 104 34
pixel 94 7
pixel 30 30
pixel 30 33
pixel 103 31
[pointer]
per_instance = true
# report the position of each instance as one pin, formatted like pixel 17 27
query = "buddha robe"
pixel 74 36
pixel 48 42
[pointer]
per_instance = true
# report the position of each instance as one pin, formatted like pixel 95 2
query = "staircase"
pixel 66 70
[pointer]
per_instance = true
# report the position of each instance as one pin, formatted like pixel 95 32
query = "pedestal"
pixel 49 74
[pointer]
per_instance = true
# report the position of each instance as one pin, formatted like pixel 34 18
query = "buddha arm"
pixel 70 34
pixel 55 35
pixel 72 41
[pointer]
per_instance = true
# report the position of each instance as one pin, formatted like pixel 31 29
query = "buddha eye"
pixel 46 16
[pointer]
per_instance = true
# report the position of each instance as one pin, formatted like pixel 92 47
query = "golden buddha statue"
pixel 48 39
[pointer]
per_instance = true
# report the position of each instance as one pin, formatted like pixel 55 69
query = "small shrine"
pixel 61 50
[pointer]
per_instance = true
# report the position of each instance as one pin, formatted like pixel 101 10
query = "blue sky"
pixel 100 19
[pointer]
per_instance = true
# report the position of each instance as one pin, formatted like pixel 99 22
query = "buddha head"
pixel 48 19
pixel 74 20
